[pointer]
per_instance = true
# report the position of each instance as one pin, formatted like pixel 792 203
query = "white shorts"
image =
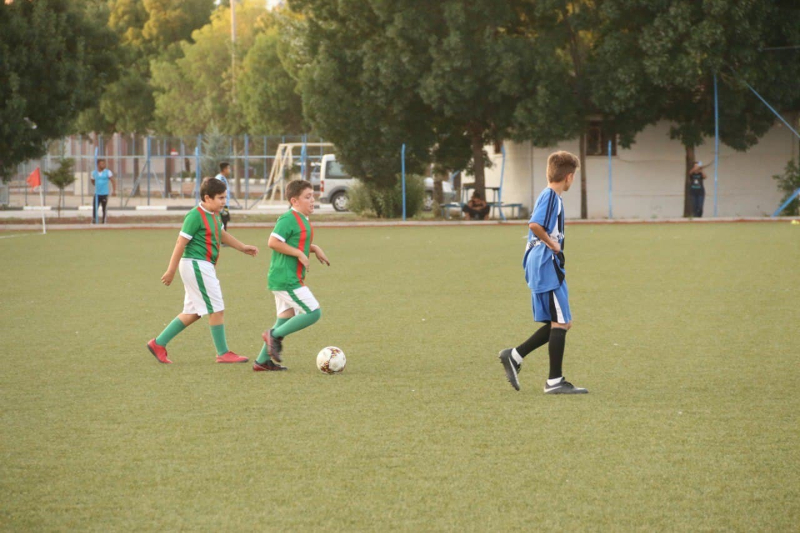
pixel 203 292
pixel 301 300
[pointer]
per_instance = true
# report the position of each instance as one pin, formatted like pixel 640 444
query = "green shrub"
pixel 366 199
pixel 788 182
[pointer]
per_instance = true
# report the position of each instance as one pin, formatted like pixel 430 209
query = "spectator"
pixel 476 208
pixel 697 189
pixel 100 179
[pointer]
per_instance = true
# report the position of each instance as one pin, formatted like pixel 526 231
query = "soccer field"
pixel 686 336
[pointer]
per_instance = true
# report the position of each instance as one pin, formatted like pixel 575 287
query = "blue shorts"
pixel 552 306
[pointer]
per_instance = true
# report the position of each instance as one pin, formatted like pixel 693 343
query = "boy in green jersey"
pixel 195 255
pixel 291 244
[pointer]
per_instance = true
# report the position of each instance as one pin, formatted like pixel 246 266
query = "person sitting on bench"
pixel 476 208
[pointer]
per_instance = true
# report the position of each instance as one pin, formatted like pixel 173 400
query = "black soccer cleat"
pixel 511 367
pixel 274 345
pixel 269 366
pixel 563 387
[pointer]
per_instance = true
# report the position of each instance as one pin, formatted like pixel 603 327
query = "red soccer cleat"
pixel 230 357
pixel 159 352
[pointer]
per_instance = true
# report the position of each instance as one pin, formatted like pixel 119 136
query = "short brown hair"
pixel 211 187
pixel 296 188
pixel 559 164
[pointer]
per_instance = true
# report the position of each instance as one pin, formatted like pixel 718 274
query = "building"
pixel 647 180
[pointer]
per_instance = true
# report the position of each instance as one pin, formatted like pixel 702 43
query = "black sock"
pixel 558 337
pixel 542 336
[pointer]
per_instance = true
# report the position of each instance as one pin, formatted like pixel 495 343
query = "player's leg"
pixel 104 205
pixel 226 217
pixel 306 312
pixel 264 361
pixel 187 317
pixel 200 278
pixel 561 322
pixel 511 358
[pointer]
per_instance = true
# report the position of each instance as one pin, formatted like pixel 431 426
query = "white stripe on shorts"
pixel 559 313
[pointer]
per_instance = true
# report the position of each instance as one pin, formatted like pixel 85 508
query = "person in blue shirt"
pixel 224 174
pixel 697 189
pixel 100 179
pixel 546 277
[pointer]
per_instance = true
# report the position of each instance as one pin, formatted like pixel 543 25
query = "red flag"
pixel 35 179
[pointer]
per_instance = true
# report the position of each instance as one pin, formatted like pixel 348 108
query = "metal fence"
pixel 152 170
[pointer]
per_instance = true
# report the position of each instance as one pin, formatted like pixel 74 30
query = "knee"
pixel 316 314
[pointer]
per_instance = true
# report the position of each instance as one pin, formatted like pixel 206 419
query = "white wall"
pixel 648 178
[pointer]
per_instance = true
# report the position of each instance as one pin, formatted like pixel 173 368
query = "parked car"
pixel 335 183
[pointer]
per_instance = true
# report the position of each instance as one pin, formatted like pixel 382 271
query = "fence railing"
pixel 152 170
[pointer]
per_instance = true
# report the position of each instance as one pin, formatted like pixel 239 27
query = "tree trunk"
pixel 478 163
pixel 438 191
pixel 584 203
pixel 687 196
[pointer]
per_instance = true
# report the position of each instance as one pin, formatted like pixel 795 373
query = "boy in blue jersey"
pixel 544 271
pixel 100 179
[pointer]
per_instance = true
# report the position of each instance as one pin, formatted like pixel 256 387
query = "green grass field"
pixel 686 335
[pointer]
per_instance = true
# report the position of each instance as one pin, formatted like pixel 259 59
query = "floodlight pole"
pixel 716 142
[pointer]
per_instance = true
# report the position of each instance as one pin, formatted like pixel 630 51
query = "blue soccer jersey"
pixel 101 181
pixel 544 270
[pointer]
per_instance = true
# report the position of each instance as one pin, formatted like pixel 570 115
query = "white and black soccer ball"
pixel 331 360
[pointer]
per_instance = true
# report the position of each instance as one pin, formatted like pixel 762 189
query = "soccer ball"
pixel 331 360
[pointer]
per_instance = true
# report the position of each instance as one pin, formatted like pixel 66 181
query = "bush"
pixel 789 182
pixel 366 199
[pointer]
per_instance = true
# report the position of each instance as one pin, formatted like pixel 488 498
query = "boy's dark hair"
pixel 560 164
pixel 223 166
pixel 101 159
pixel 296 188
pixel 211 187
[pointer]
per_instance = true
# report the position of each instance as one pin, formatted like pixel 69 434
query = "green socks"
pixel 218 334
pixel 263 356
pixel 296 323
pixel 169 333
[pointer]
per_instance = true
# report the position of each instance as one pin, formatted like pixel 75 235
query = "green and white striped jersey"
pixel 204 231
pixel 286 272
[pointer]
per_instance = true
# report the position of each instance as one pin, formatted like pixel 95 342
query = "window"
pixel 597 139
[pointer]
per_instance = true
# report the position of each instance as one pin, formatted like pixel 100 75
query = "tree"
pixel 62 177
pixel 269 95
pixel 148 30
pixel 685 43
pixel 359 93
pixel 54 60
pixel 193 88
pixel 443 78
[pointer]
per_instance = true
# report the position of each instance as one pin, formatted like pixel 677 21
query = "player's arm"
pixel 542 235
pixel 180 246
pixel 113 185
pixel 285 249
pixel 320 254
pixel 236 244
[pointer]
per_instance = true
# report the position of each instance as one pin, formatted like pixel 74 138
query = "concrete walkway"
pixel 390 223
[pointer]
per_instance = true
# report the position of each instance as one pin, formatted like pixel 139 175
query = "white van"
pixel 334 185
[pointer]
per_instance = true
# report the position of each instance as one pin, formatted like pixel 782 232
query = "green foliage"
pixel 197 88
pixel 268 93
pixel 216 149
pixel 367 199
pixel 55 58
pixel 148 30
pixel 788 183
pixel 62 177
